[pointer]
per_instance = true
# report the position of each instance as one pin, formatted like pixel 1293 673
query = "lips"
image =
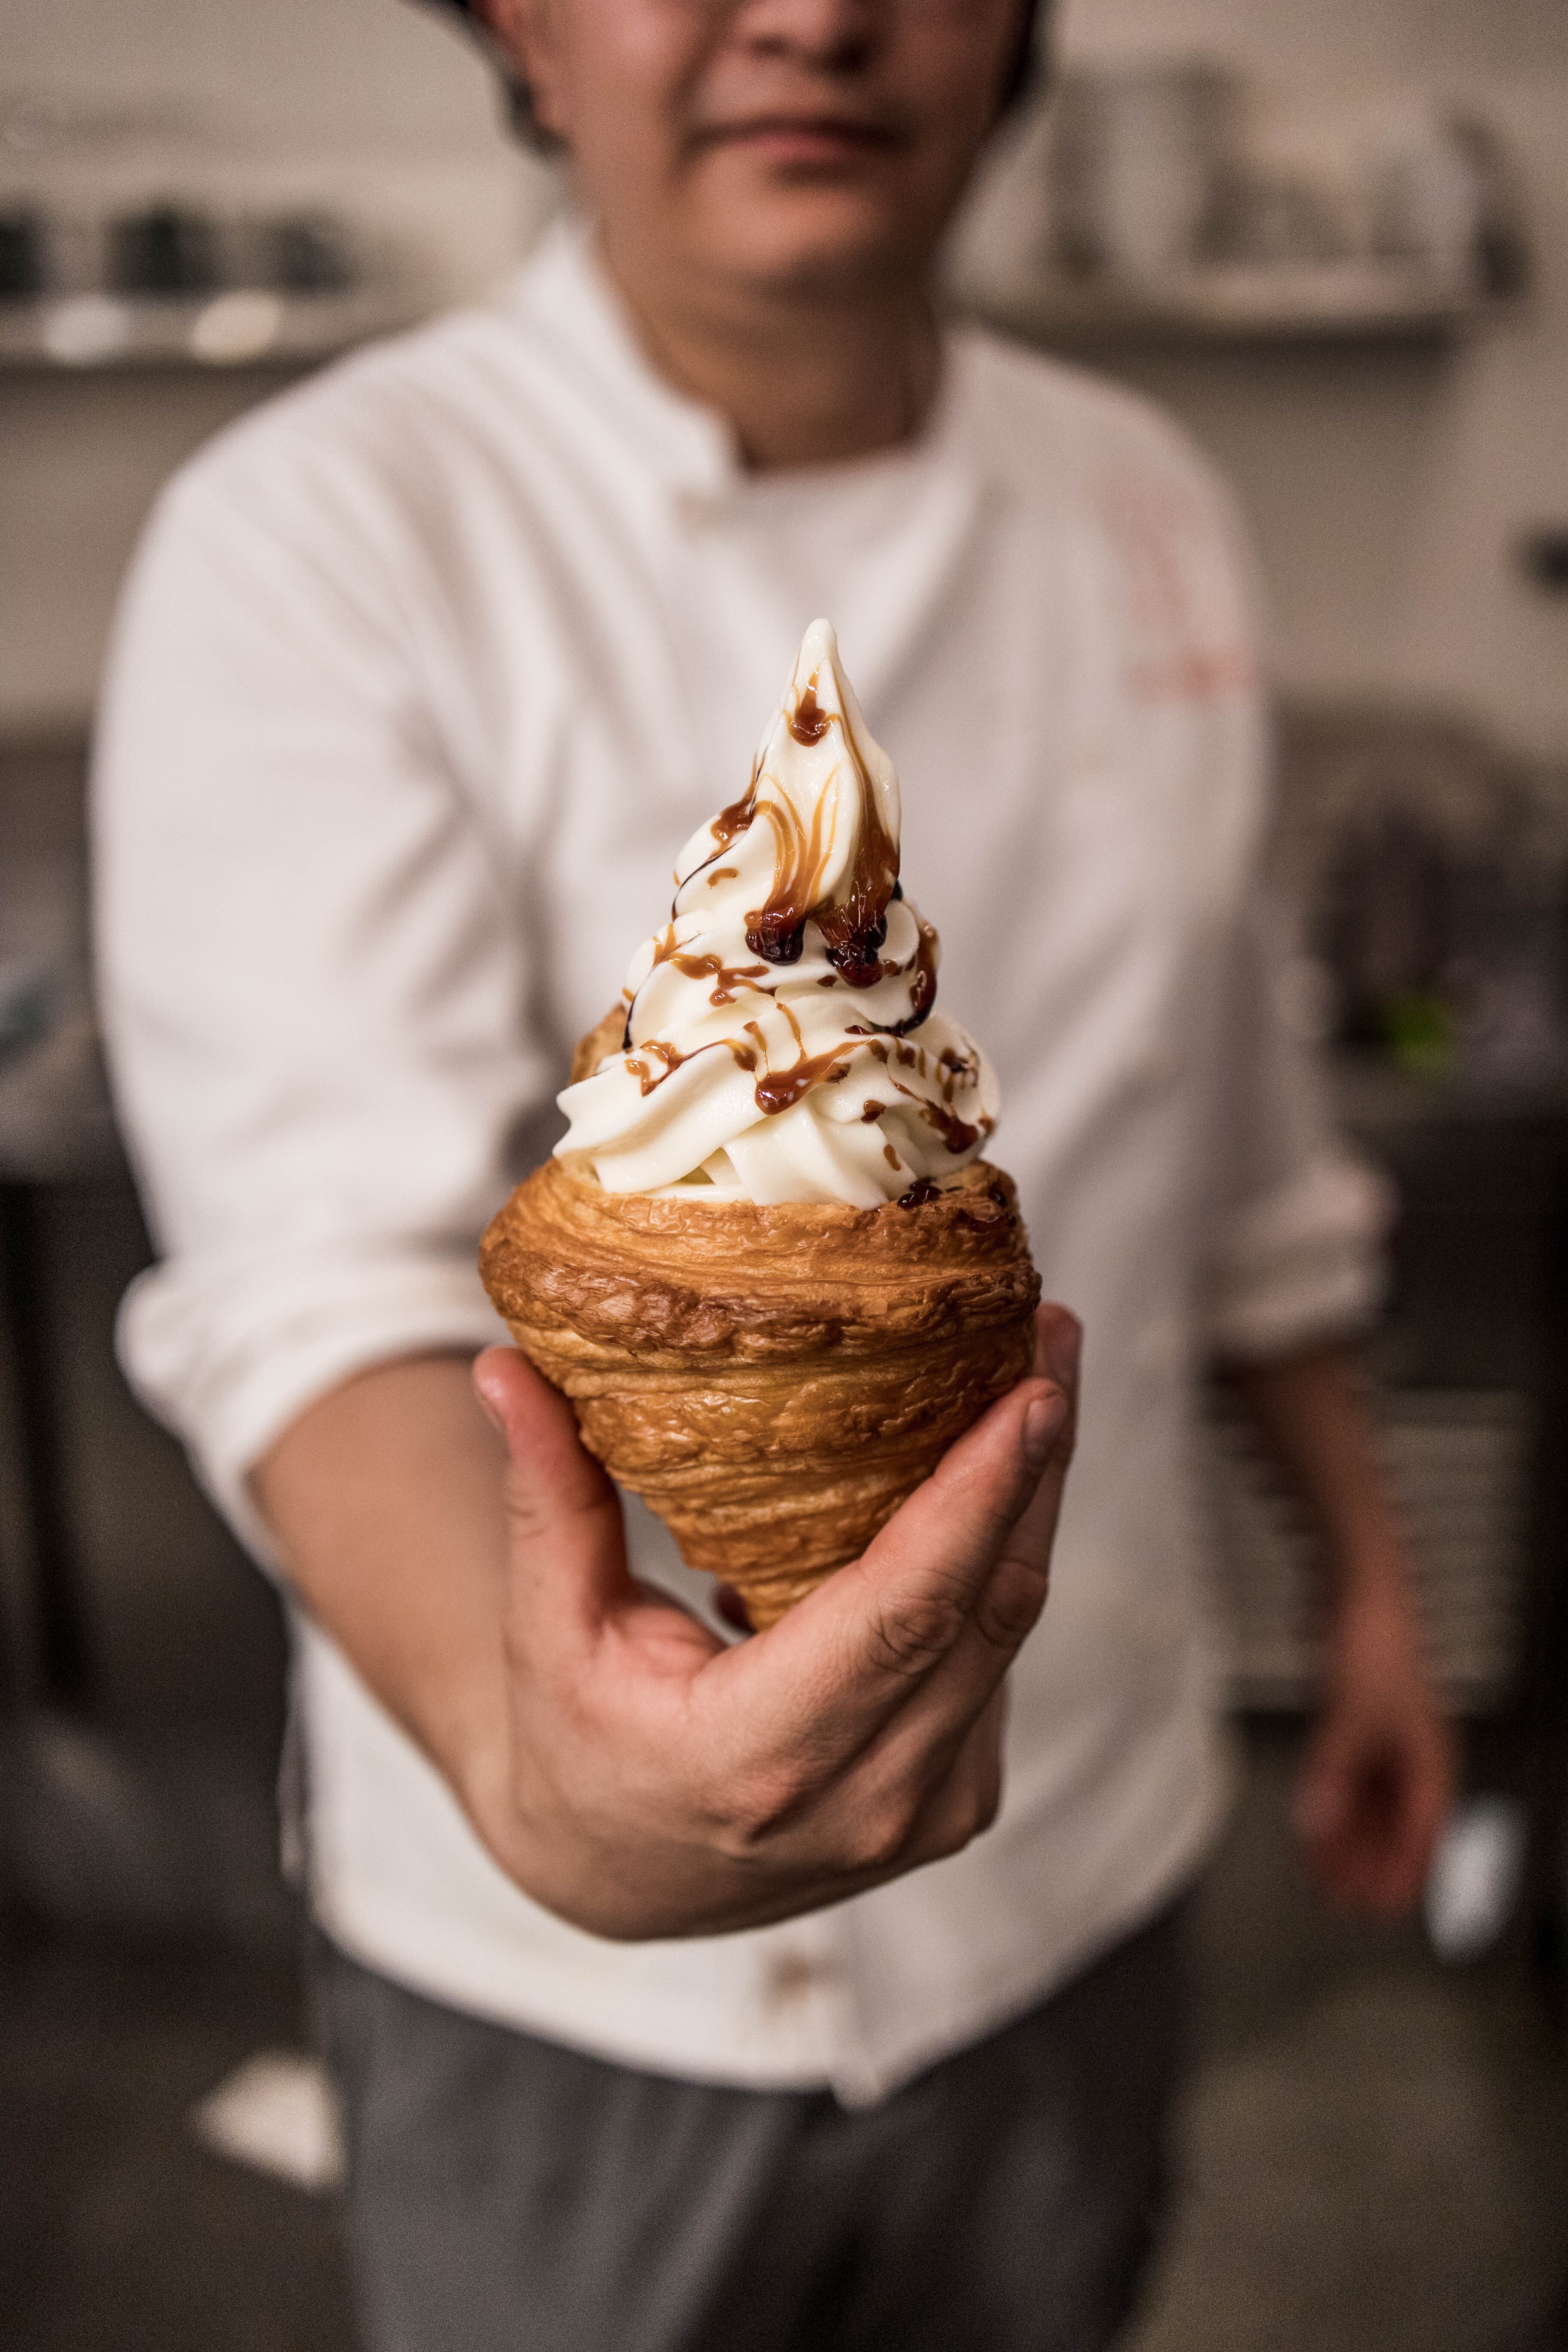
pixel 804 137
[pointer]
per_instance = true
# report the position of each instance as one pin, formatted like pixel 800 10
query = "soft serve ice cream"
pixel 780 1041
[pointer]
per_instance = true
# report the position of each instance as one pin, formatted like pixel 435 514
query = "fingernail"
pixel 1064 1345
pixel 1043 1422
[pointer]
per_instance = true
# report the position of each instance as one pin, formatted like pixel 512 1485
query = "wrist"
pixel 474 1757
pixel 1373 1632
pixel 1372 1572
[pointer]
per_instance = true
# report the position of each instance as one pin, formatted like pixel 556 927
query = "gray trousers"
pixel 507 2195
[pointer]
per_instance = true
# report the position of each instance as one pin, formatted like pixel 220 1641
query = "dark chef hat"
pixel 1020 74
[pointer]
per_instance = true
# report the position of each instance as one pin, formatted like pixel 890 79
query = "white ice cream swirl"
pixel 780 1040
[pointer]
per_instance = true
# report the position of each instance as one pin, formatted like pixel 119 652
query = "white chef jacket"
pixel 423 674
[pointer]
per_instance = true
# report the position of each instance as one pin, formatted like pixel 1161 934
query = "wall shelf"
pixel 1318 302
pixel 242 327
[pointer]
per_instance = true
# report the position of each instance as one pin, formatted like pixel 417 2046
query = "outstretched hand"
pixel 649 1781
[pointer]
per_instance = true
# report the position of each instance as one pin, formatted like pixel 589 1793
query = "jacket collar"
pixel 565 293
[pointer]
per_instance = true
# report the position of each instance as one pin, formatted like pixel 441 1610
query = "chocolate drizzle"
pixel 922 987
pixel 955 1132
pixel 774 934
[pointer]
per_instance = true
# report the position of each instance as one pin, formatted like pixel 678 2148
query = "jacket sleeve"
pixel 311 984
pixel 1297 1220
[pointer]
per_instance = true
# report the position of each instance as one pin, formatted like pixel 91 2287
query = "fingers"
pixel 886 1824
pixel 827 1681
pixel 1004 1616
pixel 966 1800
pixel 1058 1344
pixel 828 1678
pixel 1014 1594
pixel 934 1565
pixel 1004 1602
pixel 568 1550
pixel 909 1600
pixel 1371 1804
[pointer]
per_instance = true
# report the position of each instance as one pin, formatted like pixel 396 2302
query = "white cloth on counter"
pixel 423 673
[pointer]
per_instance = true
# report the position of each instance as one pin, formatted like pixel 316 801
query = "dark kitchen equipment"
pixel 168 249
pixel 22 267
pixel 309 253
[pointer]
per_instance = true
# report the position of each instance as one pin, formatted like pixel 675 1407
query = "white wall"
pixel 381 109
pixel 1386 488
pixel 294 76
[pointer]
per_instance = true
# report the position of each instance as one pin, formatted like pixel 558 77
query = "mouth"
pixel 804 142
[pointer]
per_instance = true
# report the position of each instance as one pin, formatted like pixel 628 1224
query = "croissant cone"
pixel 773 1381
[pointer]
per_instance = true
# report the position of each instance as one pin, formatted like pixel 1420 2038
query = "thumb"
pixel 568 1557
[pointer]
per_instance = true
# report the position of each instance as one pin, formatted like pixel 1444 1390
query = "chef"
pixel 822 1990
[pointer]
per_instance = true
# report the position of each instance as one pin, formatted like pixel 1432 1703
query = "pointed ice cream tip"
pixel 818 695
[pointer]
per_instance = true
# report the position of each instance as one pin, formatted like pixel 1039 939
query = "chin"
pixel 818 240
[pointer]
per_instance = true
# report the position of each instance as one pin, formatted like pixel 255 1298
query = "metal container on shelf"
pixel 1136 166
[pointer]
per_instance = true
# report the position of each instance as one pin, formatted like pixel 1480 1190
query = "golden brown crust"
pixel 773 1379
pixel 607 1037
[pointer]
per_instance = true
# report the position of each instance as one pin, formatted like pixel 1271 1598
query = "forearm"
pixel 1379 1770
pixel 386 1500
pixel 1311 1413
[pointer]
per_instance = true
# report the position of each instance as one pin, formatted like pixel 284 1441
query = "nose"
pixel 834 35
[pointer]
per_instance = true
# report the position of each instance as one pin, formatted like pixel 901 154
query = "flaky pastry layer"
pixel 773 1381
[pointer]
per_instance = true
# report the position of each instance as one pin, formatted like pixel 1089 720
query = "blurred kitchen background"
pixel 1333 239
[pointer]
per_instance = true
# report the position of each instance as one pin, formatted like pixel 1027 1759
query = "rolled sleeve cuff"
pixel 1306 1264
pixel 227 1357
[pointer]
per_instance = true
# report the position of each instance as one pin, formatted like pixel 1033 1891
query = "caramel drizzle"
pixel 853 933
pixel 779 1090
pixel 727 978
pixel 672 1058
pixel 856 928
pixel 777 931
pixel 853 929
pixel 808 722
